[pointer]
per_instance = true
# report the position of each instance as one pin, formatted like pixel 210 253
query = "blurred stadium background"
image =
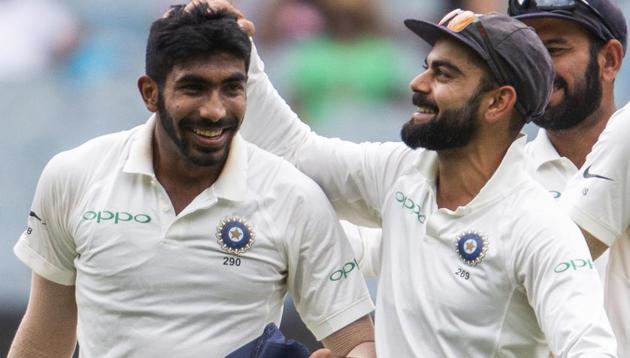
pixel 68 72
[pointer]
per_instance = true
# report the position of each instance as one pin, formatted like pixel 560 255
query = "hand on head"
pixel 224 5
pixel 220 5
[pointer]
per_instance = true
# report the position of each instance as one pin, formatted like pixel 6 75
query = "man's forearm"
pixel 48 328
pixel 32 342
pixel 355 338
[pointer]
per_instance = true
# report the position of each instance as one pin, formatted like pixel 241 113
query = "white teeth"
pixel 426 110
pixel 211 133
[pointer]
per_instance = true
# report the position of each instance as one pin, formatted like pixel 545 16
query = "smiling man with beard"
pixel 178 238
pixel 587 43
pixel 477 259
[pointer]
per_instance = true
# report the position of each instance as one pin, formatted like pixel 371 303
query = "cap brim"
pixel 553 15
pixel 431 33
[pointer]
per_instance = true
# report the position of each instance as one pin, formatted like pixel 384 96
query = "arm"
pixel 323 276
pixel 598 197
pixel 354 340
pixel 554 267
pixel 596 247
pixel 355 177
pixel 48 328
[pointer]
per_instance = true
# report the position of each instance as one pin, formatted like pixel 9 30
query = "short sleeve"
pixel 597 197
pixel 324 276
pixel 46 246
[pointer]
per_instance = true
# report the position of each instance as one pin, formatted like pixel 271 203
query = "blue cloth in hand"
pixel 271 344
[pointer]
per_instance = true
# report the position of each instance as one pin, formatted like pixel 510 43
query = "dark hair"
pixel 185 35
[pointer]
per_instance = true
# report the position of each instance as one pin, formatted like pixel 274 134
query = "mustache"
pixel 206 123
pixel 420 99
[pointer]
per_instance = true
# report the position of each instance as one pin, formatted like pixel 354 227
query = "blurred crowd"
pixel 68 72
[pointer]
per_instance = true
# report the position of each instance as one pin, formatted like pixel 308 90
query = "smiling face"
pixel 577 89
pixel 448 97
pixel 200 108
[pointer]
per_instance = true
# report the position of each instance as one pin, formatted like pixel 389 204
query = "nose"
pixel 420 83
pixel 213 107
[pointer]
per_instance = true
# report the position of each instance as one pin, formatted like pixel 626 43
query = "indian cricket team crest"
pixel 471 247
pixel 235 235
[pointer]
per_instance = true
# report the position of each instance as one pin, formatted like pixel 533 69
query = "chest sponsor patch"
pixel 235 235
pixel 471 247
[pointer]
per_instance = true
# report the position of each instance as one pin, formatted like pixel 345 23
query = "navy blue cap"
pixel 525 60
pixel 609 24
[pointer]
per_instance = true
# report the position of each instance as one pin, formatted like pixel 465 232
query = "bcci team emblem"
pixel 235 235
pixel 471 247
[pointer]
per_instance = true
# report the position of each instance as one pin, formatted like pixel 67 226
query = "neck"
pixel 182 180
pixel 575 143
pixel 463 172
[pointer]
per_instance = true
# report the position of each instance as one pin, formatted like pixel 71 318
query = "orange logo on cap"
pixel 458 19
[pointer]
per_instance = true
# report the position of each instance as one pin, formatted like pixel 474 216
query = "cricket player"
pixel 478 260
pixel 178 238
pixel 587 42
pixel 598 200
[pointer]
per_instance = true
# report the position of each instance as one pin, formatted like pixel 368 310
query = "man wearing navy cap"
pixel 587 42
pixel 477 259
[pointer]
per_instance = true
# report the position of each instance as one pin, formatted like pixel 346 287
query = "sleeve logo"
pixel 344 271
pixel 574 265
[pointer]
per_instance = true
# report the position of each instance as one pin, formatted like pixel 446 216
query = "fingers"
pixel 247 26
pixel 216 5
pixel 224 5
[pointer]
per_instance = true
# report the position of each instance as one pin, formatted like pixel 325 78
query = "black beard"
pixel 206 160
pixel 451 128
pixel 577 105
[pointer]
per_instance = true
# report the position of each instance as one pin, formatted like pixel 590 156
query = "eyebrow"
pixel 196 79
pixel 447 64
pixel 555 41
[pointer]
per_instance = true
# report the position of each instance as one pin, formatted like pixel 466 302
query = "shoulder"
pixel 270 171
pixel 537 216
pixel 273 178
pixel 85 158
pixel 616 132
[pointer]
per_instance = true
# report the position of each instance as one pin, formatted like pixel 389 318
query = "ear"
pixel 149 92
pixel 610 58
pixel 499 103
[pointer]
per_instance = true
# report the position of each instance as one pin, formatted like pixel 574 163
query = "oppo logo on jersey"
pixel 411 206
pixel 115 217
pixel 344 271
pixel 574 265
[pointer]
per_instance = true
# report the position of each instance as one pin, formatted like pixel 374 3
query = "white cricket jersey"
pixel 150 283
pixel 501 276
pixel 598 199
pixel 553 172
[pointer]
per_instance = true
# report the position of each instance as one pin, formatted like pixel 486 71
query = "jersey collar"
pixel 510 173
pixel 542 151
pixel 232 182
pixel 140 159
